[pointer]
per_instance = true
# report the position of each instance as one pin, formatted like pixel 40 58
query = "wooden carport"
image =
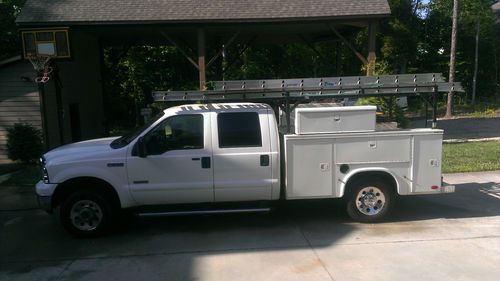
pixel 190 25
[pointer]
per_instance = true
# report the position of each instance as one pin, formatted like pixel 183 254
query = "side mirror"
pixel 142 150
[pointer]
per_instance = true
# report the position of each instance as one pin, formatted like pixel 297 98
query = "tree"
pixel 435 42
pixel 399 35
pixel 453 52
pixel 10 43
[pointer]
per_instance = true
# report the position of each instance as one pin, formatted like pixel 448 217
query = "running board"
pixel 205 212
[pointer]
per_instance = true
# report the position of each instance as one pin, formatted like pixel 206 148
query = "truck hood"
pixel 90 149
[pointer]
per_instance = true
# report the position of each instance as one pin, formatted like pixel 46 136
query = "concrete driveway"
pixel 441 237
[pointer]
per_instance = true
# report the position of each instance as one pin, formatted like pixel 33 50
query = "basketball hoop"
pixel 41 64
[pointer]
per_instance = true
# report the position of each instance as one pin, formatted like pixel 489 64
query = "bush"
pixel 24 143
pixel 390 108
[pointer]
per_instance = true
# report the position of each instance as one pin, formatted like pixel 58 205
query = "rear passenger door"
pixel 241 156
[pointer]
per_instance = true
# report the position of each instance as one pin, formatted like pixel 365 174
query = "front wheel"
pixel 86 214
pixel 369 201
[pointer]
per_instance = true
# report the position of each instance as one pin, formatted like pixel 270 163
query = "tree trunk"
pixel 474 80
pixel 453 52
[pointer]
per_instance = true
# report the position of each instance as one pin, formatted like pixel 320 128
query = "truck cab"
pixel 186 154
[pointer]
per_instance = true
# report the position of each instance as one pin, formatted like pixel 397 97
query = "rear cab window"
pixel 239 129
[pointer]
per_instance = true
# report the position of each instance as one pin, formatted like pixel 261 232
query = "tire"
pixel 369 201
pixel 86 214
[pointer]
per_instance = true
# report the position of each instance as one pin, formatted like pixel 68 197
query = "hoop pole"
pixel 434 108
pixel 43 106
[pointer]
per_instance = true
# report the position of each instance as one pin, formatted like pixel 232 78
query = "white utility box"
pixel 327 120
pixel 313 162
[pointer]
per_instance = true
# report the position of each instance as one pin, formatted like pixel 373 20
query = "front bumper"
pixel 45 202
pixel 44 193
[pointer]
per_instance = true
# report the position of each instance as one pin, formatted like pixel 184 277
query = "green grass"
pixel 27 175
pixel 471 157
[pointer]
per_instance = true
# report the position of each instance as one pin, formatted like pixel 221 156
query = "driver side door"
pixel 178 165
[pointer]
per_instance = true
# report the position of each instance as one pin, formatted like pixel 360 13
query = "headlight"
pixel 45 174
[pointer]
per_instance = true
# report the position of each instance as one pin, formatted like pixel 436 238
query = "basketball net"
pixel 41 64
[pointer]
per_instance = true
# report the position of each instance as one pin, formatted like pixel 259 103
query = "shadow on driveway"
pixel 33 245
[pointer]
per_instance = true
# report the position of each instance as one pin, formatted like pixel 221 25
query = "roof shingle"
pixel 116 11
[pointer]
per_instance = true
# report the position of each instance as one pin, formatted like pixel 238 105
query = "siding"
pixel 19 101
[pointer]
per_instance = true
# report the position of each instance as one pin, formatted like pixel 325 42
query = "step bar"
pixel 202 212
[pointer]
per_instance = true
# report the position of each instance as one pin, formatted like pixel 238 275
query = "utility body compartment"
pixel 331 144
pixel 324 120
pixel 313 162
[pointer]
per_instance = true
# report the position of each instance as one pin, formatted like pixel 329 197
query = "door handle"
pixel 205 162
pixel 264 160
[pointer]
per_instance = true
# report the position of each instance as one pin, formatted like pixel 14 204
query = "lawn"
pixel 471 157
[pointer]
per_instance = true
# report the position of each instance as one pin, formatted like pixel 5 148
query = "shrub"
pixel 389 107
pixel 24 143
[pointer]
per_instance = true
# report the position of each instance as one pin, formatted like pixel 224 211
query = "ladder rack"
pixel 289 93
pixel 315 88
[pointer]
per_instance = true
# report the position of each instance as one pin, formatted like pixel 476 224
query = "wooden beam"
pixel 180 49
pixel 358 54
pixel 372 55
pixel 201 58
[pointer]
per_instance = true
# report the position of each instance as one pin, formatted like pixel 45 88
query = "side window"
pixel 239 129
pixel 176 132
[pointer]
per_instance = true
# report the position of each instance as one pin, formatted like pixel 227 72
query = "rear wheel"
pixel 86 214
pixel 369 201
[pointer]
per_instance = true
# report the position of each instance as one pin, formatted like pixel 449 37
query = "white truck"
pixel 199 154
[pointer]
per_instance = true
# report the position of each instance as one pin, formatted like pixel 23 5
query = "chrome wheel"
pixel 86 215
pixel 370 200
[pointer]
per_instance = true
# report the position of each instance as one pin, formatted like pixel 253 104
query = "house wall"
pixel 19 100
pixel 80 87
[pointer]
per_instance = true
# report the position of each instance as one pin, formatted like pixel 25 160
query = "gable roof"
pixel 86 12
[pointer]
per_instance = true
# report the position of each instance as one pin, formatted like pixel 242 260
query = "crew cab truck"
pixel 216 153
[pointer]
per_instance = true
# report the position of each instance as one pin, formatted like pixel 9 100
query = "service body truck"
pixel 233 152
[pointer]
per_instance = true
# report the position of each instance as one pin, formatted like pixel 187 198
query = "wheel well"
pixel 372 175
pixel 70 186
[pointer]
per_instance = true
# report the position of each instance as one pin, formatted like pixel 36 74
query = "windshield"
pixel 130 136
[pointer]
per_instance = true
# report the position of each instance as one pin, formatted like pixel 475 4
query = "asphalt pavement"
pixel 437 237
pixel 465 128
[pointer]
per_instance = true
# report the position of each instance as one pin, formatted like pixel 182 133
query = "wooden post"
pixel 372 56
pixel 201 58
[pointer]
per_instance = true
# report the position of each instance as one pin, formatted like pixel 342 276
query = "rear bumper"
pixel 447 189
